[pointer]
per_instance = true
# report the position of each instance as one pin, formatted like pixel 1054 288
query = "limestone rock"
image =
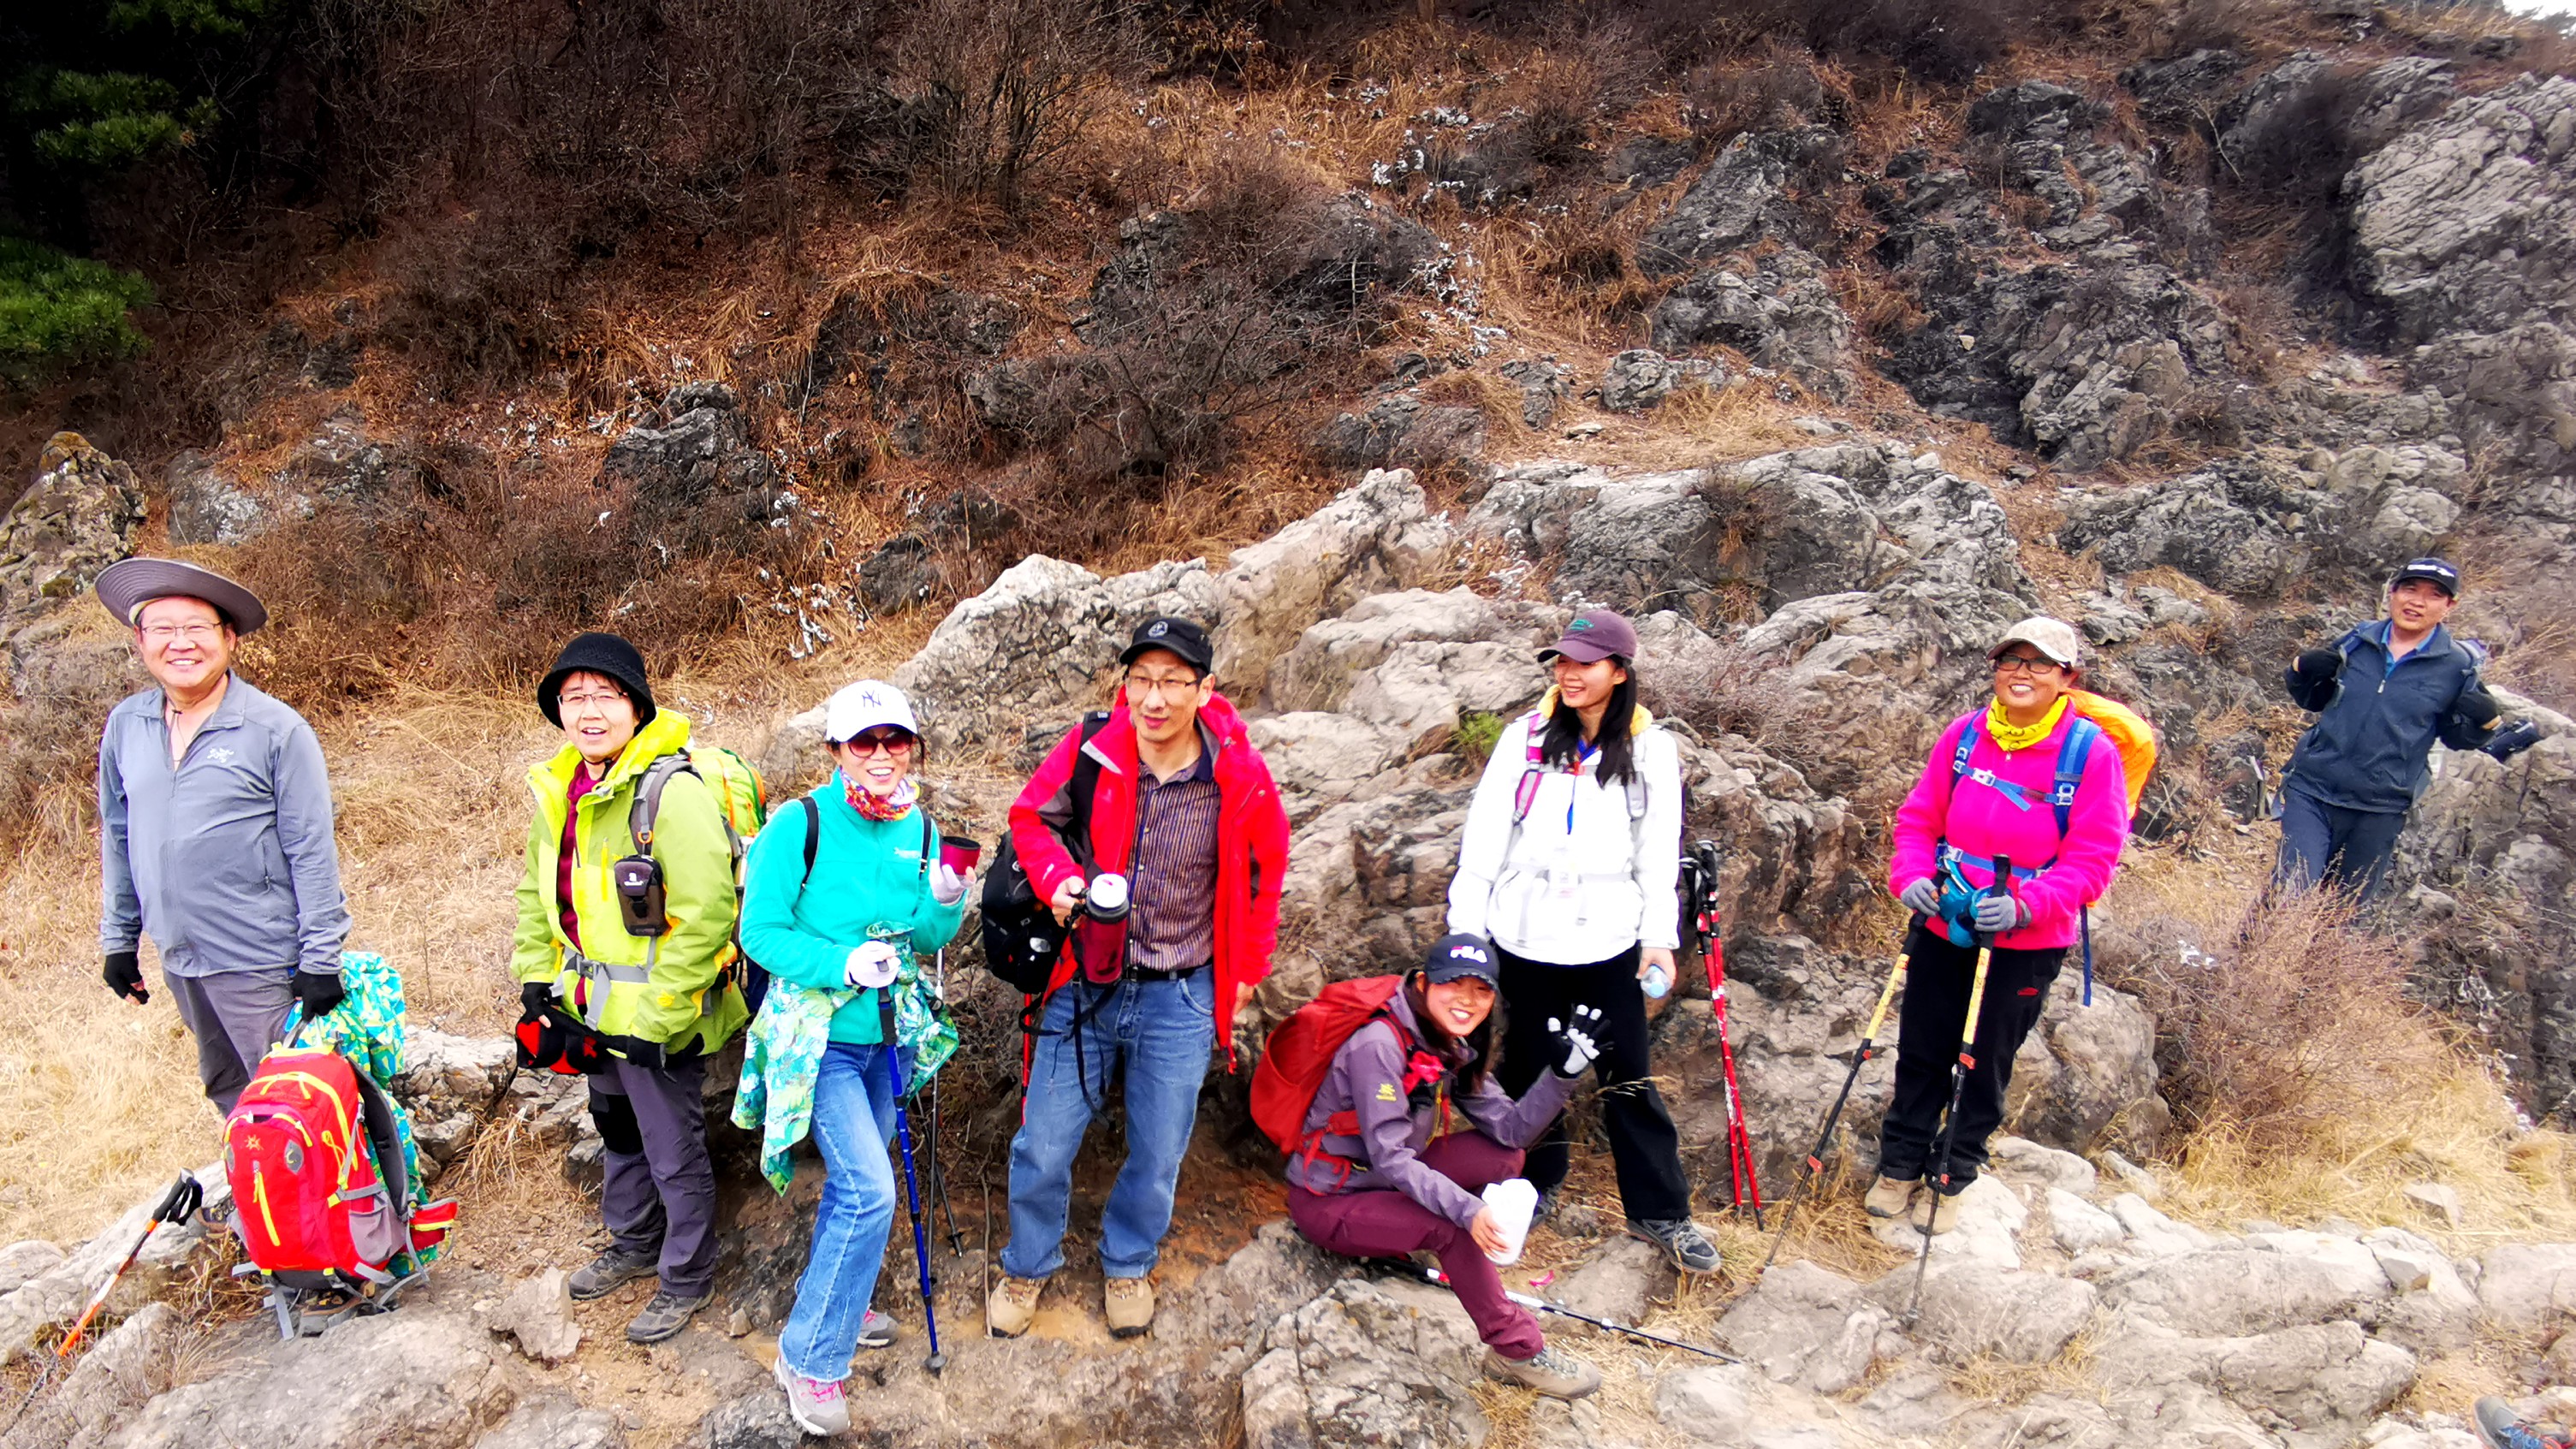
pixel 77 518
pixel 1711 1405
pixel 448 1082
pixel 2235 1291
pixel 22 1261
pixel 703 449
pixel 1621 1282
pixel 116 1375
pixel 1990 1218
pixel 1641 378
pixel 1970 1308
pixel 421 1377
pixel 2528 1287
pixel 2152 1233
pixel 2075 1225
pixel 1743 197
pixel 1366 1363
pixel 1543 386
pixel 208 507
pixel 2440 1201
pixel 538 1313
pixel 1375 536
pixel 1806 1326
pixel 1402 431
pixel 555 1422
pixel 2325 1382
pixel 2469 222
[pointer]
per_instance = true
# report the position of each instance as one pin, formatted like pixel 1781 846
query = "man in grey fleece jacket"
pixel 215 837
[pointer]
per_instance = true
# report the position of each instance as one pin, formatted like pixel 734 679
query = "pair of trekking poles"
pixel 1701 932
pixel 1959 1070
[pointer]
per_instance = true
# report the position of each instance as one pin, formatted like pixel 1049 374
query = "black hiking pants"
pixel 1937 980
pixel 1643 1144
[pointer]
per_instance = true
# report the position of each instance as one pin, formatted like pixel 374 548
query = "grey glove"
pixel 1573 1041
pixel 1923 898
pixel 946 886
pixel 2510 740
pixel 1997 913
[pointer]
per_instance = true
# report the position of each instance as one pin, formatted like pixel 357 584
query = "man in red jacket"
pixel 1175 906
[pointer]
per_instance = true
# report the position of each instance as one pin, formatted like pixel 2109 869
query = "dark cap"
pixel 1463 955
pixel 607 656
pixel 2432 571
pixel 1182 638
pixel 1595 634
pixel 125 586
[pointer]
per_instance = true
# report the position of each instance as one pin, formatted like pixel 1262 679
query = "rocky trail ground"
pixel 2180 327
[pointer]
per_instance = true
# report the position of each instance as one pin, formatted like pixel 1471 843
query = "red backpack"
pixel 1301 1052
pixel 303 1151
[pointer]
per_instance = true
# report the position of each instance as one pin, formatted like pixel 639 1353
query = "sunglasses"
pixel 2024 664
pixel 893 742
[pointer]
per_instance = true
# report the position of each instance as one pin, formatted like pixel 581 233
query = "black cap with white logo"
pixel 1463 955
pixel 2433 571
pixel 1183 639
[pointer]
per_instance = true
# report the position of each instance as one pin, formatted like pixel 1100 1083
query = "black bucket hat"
pixel 605 655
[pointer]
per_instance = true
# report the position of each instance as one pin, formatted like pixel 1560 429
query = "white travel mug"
pixel 1514 1203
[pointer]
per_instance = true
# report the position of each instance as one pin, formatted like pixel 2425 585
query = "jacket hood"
pixel 665 733
pixel 1640 718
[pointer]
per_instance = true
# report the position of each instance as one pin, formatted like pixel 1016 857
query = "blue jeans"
pixel 853 1122
pixel 2324 844
pixel 1164 1032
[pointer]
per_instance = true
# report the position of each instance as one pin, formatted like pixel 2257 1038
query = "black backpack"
pixel 1021 937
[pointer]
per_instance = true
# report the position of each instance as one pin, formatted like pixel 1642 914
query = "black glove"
pixel 125 976
pixel 319 991
pixel 533 997
pixel 2507 741
pixel 2319 664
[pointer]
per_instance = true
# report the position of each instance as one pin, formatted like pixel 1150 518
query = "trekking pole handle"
pixel 1886 994
pixel 1985 959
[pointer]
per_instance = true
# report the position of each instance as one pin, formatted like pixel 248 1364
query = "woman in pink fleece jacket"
pixel 1964 814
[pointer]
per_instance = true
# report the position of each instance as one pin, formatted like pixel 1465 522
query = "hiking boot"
pixel 611 1271
pixel 1557 1375
pixel 665 1316
pixel 2499 1427
pixel 1129 1304
pixel 1938 1211
pixel 816 1405
pixel 1890 1197
pixel 1546 1204
pixel 1681 1240
pixel 1013 1306
pixel 877 1330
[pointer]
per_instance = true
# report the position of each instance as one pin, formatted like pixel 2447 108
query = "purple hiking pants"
pixel 1384 1223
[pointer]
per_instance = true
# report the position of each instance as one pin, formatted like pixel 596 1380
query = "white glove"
pixel 946 886
pixel 1574 1040
pixel 872 965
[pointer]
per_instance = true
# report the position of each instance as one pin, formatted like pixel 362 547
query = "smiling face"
pixel 1459 1007
pixel 2027 681
pixel 1164 695
pixel 598 717
pixel 1586 686
pixel 185 642
pixel 875 760
pixel 2417 605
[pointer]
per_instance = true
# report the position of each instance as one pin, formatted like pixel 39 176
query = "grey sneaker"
pixel 877 1330
pixel 1681 1240
pixel 665 1316
pixel 1557 1375
pixel 611 1271
pixel 816 1405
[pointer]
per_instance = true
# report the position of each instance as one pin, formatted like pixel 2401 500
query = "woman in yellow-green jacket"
pixel 633 945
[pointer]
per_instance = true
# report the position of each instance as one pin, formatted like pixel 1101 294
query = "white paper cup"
pixel 1514 1203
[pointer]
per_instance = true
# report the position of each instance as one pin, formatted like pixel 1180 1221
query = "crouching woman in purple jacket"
pixel 1383 1174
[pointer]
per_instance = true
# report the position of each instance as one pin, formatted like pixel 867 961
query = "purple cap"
pixel 1595 634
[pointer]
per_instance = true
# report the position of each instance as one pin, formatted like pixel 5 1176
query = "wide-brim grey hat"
pixel 128 584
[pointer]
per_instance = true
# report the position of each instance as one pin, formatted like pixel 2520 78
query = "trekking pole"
pixel 1825 1138
pixel 183 1198
pixel 1958 1089
pixel 911 1185
pixel 1745 1181
pixel 1434 1275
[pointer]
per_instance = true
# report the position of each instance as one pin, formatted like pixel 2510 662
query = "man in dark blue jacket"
pixel 2383 694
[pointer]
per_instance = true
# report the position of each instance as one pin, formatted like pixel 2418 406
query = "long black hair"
pixel 1563 744
pixel 1469 1075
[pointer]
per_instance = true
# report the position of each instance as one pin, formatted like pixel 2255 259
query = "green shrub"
pixel 1474 740
pixel 58 311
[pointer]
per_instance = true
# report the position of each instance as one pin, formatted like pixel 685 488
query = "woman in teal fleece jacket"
pixel 877 895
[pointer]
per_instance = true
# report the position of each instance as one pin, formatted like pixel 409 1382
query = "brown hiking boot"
pixel 1129 1304
pixel 1937 1210
pixel 1013 1306
pixel 1557 1375
pixel 1889 1197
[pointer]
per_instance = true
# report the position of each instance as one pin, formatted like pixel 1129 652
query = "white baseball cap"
pixel 864 706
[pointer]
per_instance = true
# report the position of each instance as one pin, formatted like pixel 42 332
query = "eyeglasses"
pixel 1170 686
pixel 574 703
pixel 893 742
pixel 193 633
pixel 2024 664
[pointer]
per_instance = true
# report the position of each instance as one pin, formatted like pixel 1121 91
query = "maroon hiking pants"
pixel 1384 1223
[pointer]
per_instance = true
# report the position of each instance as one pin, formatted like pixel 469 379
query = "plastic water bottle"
pixel 1514 1202
pixel 1658 980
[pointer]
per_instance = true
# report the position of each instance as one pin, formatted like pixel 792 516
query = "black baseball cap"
pixel 1180 637
pixel 2434 571
pixel 1459 955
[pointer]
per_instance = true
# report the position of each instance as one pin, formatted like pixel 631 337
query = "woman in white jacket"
pixel 1571 853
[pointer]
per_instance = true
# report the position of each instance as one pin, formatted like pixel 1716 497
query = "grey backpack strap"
pixel 647 809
